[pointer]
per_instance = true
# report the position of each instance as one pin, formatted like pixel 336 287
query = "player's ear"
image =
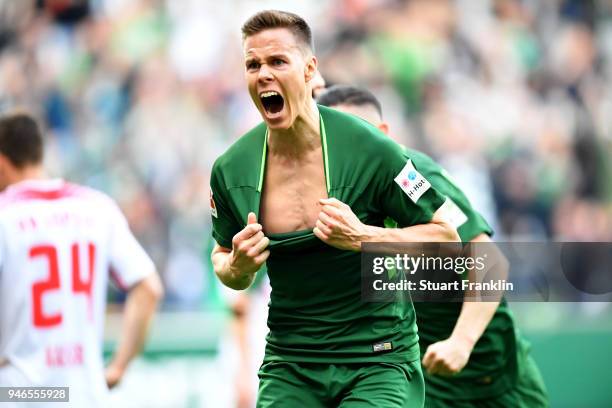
pixel 310 69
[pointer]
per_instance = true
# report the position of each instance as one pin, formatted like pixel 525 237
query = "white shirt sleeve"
pixel 128 260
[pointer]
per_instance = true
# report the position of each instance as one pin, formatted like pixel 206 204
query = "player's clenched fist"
pixel 338 226
pixel 249 248
pixel 446 357
pixel 236 267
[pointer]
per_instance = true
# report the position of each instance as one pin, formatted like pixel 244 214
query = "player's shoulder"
pixel 90 194
pixel 240 164
pixel 97 201
pixel 430 168
pixel 246 149
pixel 349 130
pixel 418 155
pixel 422 161
pixel 347 126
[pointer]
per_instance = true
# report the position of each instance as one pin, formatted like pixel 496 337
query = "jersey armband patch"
pixel 213 206
pixel 452 214
pixel 412 182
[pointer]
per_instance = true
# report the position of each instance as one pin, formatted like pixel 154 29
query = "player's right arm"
pixel 236 267
pixel 240 249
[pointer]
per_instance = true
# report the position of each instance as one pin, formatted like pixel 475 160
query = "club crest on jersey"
pixel 412 182
pixel 213 206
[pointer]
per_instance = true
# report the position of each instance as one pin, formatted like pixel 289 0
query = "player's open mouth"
pixel 272 102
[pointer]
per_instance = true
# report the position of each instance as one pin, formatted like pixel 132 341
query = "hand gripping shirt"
pixel 316 313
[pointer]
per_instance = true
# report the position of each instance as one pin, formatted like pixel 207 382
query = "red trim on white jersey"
pixel 43 190
pixel 64 192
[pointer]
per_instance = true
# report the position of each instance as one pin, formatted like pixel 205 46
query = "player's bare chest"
pixel 291 192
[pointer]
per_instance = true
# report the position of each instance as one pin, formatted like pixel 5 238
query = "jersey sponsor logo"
pixel 451 213
pixel 213 206
pixel 384 346
pixel 412 182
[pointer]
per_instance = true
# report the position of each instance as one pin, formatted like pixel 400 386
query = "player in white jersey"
pixel 58 244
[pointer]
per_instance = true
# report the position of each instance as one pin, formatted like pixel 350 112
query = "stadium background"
pixel 139 97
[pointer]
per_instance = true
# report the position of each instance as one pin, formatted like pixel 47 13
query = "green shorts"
pixel 529 391
pixel 313 385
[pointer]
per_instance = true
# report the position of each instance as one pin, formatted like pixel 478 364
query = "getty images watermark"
pixel 455 272
pixel 404 264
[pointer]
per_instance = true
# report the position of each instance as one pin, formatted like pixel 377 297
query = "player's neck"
pixel 28 173
pixel 303 136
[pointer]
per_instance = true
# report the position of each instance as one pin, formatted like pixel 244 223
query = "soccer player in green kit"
pixel 316 201
pixel 471 353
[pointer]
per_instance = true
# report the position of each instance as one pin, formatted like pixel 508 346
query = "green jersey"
pixel 316 313
pixel 492 368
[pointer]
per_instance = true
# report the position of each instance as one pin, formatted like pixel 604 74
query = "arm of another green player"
pixel 449 356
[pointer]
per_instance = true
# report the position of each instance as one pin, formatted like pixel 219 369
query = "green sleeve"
pixel 405 194
pixel 224 222
pixel 459 211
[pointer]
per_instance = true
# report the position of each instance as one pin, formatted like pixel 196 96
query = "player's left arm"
pixel 134 271
pixel 140 306
pixel 450 356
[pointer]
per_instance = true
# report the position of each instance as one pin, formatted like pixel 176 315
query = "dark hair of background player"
pixel 349 95
pixel 21 139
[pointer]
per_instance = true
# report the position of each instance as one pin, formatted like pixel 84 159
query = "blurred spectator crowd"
pixel 513 97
